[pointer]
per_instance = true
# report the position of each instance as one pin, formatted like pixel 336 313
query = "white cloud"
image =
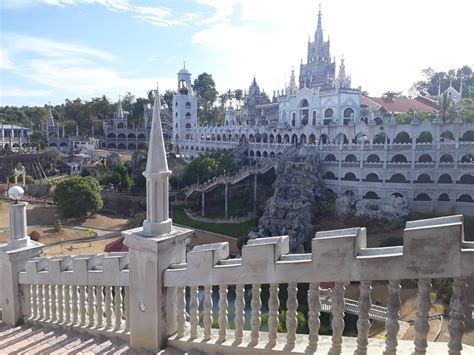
pixel 67 70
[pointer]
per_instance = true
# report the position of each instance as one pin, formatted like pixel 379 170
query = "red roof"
pixel 116 246
pixel 399 104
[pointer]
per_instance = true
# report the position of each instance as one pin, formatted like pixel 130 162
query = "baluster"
pixel 82 304
pixel 423 305
pixel 67 303
pixel 239 313
pixel 255 321
pixel 194 311
pixel 222 312
pixel 118 307
pixel 75 311
pixel 90 305
pixel 273 307
pixel 53 303
pixel 100 306
pixel 60 304
pixel 291 315
pixel 337 318
pixel 391 323
pixel 26 300
pixel 127 310
pixel 180 294
pixel 40 302
pixel 457 316
pixel 207 320
pixel 34 301
pixel 108 307
pixel 314 323
pixel 363 323
pixel 47 310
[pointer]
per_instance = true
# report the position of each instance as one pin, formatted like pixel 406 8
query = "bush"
pixel 35 235
pixel 86 171
pixel 77 196
pixel 57 226
pixel 241 241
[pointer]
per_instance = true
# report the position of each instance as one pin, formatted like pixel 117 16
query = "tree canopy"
pixel 431 80
pixel 77 196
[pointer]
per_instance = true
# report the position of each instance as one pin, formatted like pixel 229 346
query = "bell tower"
pixel 185 119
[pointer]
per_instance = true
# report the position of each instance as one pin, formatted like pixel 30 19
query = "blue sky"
pixel 51 50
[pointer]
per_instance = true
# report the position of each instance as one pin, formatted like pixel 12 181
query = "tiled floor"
pixel 28 339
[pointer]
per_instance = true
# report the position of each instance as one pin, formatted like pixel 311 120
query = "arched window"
pixel 349 193
pixel 328 113
pixel 188 115
pixel 399 158
pixel 444 197
pixel 188 105
pixel 465 198
pixel 330 157
pixel 324 139
pixel 351 158
pixel 380 138
pixel 467 158
pixel 372 177
pixel 121 136
pixel 314 118
pixel 312 139
pixel 446 158
pixel 425 158
pixel 397 194
pixel 373 158
pixel 423 179
pixel 398 178
pixel 446 136
pixel 350 177
pixel 329 176
pixel 468 136
pixel 348 113
pixel 467 179
pixel 402 137
pixel 293 119
pixel 371 196
pixel 445 179
pixel 304 103
pixel 423 197
pixel 425 137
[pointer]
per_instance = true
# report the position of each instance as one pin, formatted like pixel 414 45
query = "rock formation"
pixel 392 209
pixel 292 208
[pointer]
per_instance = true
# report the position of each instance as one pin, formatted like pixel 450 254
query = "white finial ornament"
pixel 16 193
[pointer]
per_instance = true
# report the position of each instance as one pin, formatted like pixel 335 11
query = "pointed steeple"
pixel 157 176
pixel 292 88
pixel 342 70
pixel 120 114
pixel 50 117
pixel 318 37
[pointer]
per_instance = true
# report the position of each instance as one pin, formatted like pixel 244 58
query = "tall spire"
pixel 318 37
pixel 120 109
pixel 50 117
pixel 157 175
pixel 342 70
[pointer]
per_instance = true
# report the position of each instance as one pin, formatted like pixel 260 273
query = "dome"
pixel 184 71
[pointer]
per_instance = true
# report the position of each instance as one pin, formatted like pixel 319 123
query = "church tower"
pixel 319 70
pixel 185 118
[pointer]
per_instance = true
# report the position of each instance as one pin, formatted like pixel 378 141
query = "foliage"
pixel 120 173
pixel 77 196
pixel 139 184
pixel 90 233
pixel 35 235
pixel 380 138
pixel 205 89
pixel 86 171
pixel 167 99
pixel 28 179
pixel 137 220
pixel 57 226
pixel 37 140
pixel 175 182
pixel 239 96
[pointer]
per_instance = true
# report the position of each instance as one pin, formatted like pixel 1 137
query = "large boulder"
pixel 393 209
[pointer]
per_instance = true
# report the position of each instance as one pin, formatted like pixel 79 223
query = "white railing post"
pixel 153 314
pixel 13 257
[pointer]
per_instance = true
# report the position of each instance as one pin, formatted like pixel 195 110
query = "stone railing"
pixel 432 249
pixel 88 292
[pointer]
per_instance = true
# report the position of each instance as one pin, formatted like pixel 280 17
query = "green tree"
pixel 121 171
pixel 37 140
pixel 239 96
pixel 77 196
pixel 167 99
pixel 201 168
pixel 205 89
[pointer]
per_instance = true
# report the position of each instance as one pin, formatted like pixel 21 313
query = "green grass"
pixel 231 230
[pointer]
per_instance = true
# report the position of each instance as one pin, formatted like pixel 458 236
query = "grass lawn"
pixel 232 230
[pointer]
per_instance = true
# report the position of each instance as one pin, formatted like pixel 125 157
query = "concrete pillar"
pixel 153 306
pixel 203 203
pixel 255 195
pixel 13 256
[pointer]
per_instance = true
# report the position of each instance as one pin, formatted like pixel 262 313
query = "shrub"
pixel 77 196
pixel 57 226
pixel 86 171
pixel 35 235
pixel 241 241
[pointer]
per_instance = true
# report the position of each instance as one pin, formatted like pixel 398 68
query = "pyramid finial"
pixel 157 176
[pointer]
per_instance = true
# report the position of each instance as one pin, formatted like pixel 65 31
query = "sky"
pixel 51 50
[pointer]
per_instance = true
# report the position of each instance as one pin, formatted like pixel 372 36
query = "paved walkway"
pixel 28 339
